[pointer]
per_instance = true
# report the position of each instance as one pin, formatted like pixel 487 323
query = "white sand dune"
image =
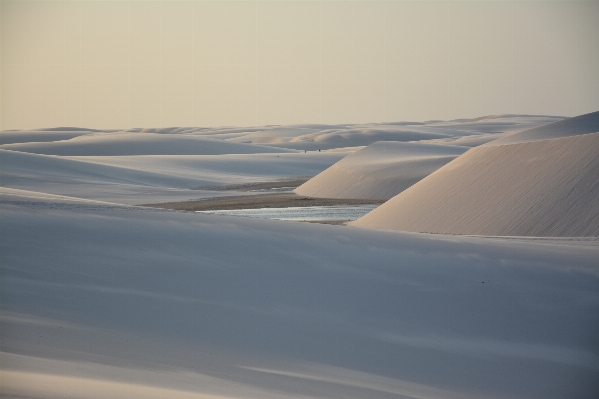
pixel 28 136
pixel 381 170
pixel 467 141
pixel 507 123
pixel 583 124
pixel 123 302
pixel 152 178
pixel 540 188
pixel 461 132
pixel 275 135
pixel 117 144
pixel 102 300
pixel 359 136
pixel 215 170
pixel 15 195
pixel 21 165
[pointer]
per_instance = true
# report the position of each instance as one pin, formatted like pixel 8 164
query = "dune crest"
pixel 379 171
pixel 582 124
pixel 123 143
pixel 540 188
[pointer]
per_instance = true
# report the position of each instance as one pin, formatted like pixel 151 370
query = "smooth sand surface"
pixel 100 300
pixel 275 135
pixel 17 136
pixel 143 179
pixel 583 124
pixel 467 141
pixel 111 144
pixel 381 170
pixel 540 188
pixel 106 301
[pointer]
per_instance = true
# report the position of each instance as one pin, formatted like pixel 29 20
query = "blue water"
pixel 308 213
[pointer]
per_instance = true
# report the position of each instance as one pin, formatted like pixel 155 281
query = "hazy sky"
pixel 121 64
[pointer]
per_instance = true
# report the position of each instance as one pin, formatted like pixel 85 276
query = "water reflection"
pixel 307 213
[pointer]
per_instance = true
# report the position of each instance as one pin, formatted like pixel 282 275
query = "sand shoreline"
pixel 283 200
pixel 281 183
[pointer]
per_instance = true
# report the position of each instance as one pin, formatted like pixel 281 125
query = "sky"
pixel 125 64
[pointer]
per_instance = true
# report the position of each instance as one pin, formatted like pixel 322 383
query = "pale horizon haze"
pixel 125 64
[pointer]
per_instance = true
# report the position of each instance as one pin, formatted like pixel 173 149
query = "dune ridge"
pixel 539 188
pixel 101 300
pixel 118 144
pixel 582 124
pixel 379 171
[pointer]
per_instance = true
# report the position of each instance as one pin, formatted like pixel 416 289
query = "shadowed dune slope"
pixel 29 136
pixel 381 170
pixel 181 171
pixel 112 144
pixel 541 188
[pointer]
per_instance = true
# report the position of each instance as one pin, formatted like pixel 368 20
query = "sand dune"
pixel 467 141
pixel 498 123
pixel 28 136
pixel 222 169
pixel 157 178
pixel 9 195
pixel 368 135
pixel 21 166
pixel 104 301
pixel 101 300
pixel 280 135
pixel 446 132
pixel 583 124
pixel 112 144
pixel 381 170
pixel 540 188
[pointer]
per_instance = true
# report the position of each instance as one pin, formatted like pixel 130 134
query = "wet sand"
pixel 282 183
pixel 279 200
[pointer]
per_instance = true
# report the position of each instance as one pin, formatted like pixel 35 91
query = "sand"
pixel 583 124
pixel 381 170
pixel 103 299
pixel 285 200
pixel 158 178
pixel 111 301
pixel 139 144
pixel 540 188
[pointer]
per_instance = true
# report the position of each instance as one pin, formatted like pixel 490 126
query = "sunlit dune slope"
pixel 583 124
pixel 540 188
pixel 381 170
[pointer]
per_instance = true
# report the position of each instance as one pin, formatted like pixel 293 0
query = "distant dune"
pixel 29 136
pixel 548 187
pixel 381 170
pixel 112 144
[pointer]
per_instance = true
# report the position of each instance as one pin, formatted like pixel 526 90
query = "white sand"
pixel 275 135
pixel 106 301
pixel 381 170
pixel 104 144
pixel 101 300
pixel 541 188
pixel 153 178
pixel 467 141
pixel 28 136
pixel 583 124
